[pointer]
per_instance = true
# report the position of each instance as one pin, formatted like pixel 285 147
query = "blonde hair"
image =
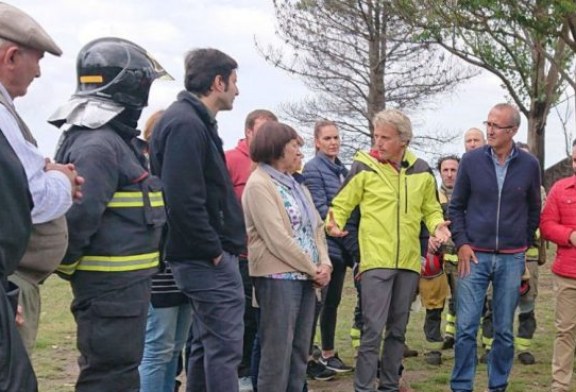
pixel 396 119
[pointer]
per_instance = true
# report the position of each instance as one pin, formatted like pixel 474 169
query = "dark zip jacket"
pixel 489 221
pixel 204 215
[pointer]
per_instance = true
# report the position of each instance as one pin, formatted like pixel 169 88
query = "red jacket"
pixel 558 221
pixel 239 166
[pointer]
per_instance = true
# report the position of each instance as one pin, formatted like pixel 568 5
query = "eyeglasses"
pixel 489 124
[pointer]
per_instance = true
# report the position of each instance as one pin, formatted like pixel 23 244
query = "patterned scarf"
pixel 297 192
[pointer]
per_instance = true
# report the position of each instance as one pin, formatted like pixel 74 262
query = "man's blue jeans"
pixel 166 333
pixel 505 272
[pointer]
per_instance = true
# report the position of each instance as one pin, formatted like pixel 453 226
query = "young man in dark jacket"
pixel 495 210
pixel 205 224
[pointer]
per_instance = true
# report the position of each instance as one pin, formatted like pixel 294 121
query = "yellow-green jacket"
pixel 392 205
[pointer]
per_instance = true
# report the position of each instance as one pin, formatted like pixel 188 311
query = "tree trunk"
pixel 536 131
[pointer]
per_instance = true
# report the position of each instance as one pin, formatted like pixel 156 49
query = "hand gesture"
pixel 332 227
pixel 442 233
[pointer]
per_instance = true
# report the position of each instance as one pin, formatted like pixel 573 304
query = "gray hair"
pixel 514 112
pixel 396 119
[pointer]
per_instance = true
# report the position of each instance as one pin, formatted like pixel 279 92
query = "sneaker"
pixel 484 357
pixel 408 353
pixel 245 384
pixel 448 343
pixel 433 358
pixel 335 363
pixel 526 358
pixel 319 372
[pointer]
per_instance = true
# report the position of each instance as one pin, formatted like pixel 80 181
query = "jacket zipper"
pixel 406 195
pixel 398 221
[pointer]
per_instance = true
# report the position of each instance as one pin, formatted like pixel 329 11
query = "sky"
pixel 169 28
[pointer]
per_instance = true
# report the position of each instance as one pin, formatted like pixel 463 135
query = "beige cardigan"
pixel 272 248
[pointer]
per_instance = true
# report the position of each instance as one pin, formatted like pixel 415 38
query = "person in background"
pixel 495 211
pixel 240 167
pixel 114 233
pixel 559 226
pixel 395 191
pixel 437 279
pixel 448 169
pixel 169 320
pixel 323 176
pixel 206 230
pixel 473 138
pixel 287 255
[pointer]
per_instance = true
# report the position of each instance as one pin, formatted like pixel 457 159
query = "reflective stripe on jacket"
pixel 117 226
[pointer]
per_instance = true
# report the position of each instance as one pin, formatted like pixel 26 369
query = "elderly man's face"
pixel 25 64
pixel 473 139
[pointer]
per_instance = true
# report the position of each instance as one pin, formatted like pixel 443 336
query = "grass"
pixel 55 355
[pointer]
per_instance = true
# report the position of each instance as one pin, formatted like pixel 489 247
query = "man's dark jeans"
pixel 217 299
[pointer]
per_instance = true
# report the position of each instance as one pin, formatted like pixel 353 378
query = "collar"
pixel 7 96
pixel 199 98
pixel 336 165
pixel 203 110
pixel 512 154
pixel 571 184
pixel 242 146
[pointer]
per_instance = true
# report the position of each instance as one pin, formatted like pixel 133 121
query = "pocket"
pixel 117 331
pixel 154 211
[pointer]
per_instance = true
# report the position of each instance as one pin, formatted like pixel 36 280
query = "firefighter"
pixel 438 273
pixel 114 233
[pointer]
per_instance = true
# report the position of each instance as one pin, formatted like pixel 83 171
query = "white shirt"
pixel 51 190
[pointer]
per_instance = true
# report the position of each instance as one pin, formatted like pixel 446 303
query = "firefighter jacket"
pixel 448 249
pixel 117 225
pixel 392 206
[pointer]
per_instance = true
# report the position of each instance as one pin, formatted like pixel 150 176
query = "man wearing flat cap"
pixel 45 196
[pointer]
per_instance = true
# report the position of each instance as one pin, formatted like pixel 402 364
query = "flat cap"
pixel 19 27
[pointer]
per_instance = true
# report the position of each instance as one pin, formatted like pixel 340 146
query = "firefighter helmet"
pixel 117 70
pixel 431 266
